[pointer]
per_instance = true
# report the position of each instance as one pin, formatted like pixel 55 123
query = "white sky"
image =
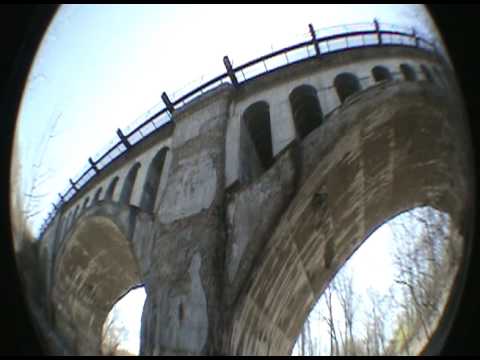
pixel 102 66
pixel 127 314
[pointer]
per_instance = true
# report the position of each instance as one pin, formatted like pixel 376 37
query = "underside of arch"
pixel 96 268
pixel 397 155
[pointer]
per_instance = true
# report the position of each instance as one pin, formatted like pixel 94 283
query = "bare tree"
pixel 331 321
pixel 39 175
pixel 112 335
pixel 423 261
pixel 399 321
pixel 342 286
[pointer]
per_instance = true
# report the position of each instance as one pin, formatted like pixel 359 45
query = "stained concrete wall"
pixel 399 146
pixel 232 266
pixel 180 250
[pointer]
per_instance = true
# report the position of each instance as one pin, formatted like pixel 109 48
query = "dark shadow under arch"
pixel 129 184
pixel 96 199
pixel 256 140
pixel 408 72
pixel 426 71
pixel 85 203
pixel 152 181
pixel 75 213
pixel 346 85
pixel 111 188
pixel 381 73
pixel 306 110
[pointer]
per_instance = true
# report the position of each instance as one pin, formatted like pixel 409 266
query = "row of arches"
pixel 307 112
pixel 149 191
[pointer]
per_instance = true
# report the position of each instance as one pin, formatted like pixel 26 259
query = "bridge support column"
pixel 180 249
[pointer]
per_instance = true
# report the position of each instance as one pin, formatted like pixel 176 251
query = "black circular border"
pixel 22 28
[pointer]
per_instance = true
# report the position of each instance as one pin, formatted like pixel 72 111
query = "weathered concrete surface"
pixel 252 214
pixel 233 257
pixel 184 269
pixel 399 146
pixel 95 269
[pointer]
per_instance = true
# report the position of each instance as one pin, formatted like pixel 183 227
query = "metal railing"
pixel 321 42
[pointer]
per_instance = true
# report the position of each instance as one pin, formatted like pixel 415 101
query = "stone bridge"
pixel 237 213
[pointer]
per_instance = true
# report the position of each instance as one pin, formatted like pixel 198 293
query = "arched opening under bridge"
pixel 121 330
pixel 94 268
pixel 364 311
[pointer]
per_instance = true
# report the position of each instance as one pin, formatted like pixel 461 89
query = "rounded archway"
pixel 371 174
pixel 346 85
pixel 381 73
pixel 256 140
pixel 121 330
pixel 111 188
pixel 306 110
pixel 94 269
pixel 408 72
pixel 364 311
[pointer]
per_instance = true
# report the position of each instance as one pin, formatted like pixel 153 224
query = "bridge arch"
pixel 408 72
pixel 381 73
pixel 427 73
pixel 256 139
pixel 329 218
pixel 96 199
pixel 152 181
pixel 129 184
pixel 346 85
pixel 111 188
pixel 75 213
pixel 306 110
pixel 95 269
pixel 85 203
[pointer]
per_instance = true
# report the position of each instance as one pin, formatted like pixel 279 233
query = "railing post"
pixel 73 185
pixel 414 35
pixel 314 39
pixel 123 139
pixel 94 166
pixel 62 199
pixel 230 72
pixel 167 102
pixel 377 30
